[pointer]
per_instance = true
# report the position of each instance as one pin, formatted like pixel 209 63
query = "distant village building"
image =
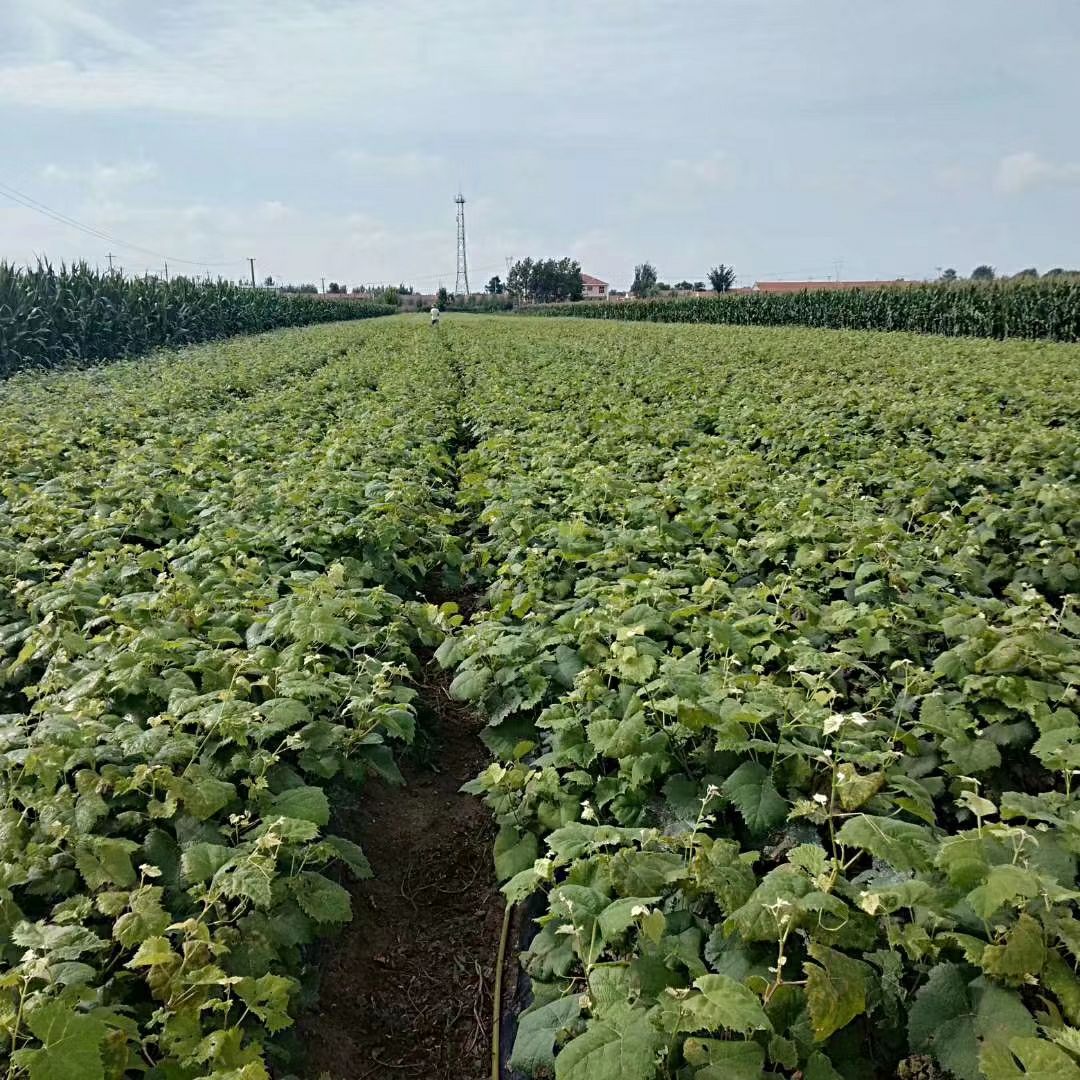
pixel 593 288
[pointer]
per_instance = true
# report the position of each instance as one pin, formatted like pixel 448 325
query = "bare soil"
pixel 406 989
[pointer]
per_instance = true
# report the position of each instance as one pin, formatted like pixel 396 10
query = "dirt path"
pixel 406 988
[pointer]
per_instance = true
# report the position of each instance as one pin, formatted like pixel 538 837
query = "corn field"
pixel 1041 309
pixel 76 315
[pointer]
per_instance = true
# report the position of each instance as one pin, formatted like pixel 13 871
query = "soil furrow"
pixel 406 988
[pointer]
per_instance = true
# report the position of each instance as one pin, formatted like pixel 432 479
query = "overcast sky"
pixel 792 138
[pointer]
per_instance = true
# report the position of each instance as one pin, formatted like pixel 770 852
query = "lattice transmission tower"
pixel 461 285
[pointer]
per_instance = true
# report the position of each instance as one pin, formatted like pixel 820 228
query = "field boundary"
pixel 1039 310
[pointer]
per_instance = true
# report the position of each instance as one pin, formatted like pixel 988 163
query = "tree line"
pixel 986 272
pixel 721 279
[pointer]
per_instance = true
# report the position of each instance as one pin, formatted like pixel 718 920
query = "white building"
pixel 594 288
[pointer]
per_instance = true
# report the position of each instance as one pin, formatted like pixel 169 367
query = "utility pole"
pixel 109 256
pixel 324 284
pixel 166 271
pixel 462 278
pixel 252 263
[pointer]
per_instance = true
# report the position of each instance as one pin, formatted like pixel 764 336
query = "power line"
pixel 30 203
pixel 409 278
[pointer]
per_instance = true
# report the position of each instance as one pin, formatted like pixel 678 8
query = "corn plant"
pixel 50 317
pixel 1038 309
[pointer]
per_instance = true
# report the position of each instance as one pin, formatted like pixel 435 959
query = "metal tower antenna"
pixel 461 285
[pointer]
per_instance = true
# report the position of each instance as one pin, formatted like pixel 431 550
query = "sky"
pixel 327 138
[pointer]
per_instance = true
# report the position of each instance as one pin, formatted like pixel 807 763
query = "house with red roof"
pixel 594 288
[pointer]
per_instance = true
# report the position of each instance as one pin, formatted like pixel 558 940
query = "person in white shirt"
pixel 434 315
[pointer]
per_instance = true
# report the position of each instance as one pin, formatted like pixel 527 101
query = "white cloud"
pixel 93 27
pixel 957 177
pixel 275 59
pixel 102 177
pixel 598 251
pixel 273 210
pixel 1017 173
pixel 712 171
pixel 406 165
pixel 62 84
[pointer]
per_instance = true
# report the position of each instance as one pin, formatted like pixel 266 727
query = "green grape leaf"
pixel 1004 884
pixel 470 684
pixel 853 789
pixel 819 1067
pixel 783 1051
pixel 954 1019
pixel 901 844
pixel 715 1002
pixel 146 918
pixel 305 803
pixel 716 1060
pixel 622 1046
pixel 106 861
pixel 352 855
pixel 205 796
pixel 268 998
pixel 320 898
pixel 835 989
pixel 514 851
pixel 200 862
pixel 1021 957
pixel 539 1029
pixel 153 952
pixel 619 915
pixel 1027 1059
pixel 71 1044
pixel 250 878
pixel 751 789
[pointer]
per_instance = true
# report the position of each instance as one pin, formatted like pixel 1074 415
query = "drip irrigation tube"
pixel 496 1003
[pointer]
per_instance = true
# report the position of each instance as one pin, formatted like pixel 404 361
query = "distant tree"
pixel 334 288
pixel 686 286
pixel 495 286
pixel 722 278
pixel 984 272
pixel 948 275
pixel 390 296
pixel 1028 272
pixel 269 282
pixel 644 279
pixel 405 290
pixel 699 286
pixel 442 297
pixel 542 281
pixel 519 279
pixel 571 279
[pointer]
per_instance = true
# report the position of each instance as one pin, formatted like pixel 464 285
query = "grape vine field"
pixel 773 633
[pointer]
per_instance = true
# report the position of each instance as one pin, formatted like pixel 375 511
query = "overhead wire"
pixel 35 205
pixel 30 203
